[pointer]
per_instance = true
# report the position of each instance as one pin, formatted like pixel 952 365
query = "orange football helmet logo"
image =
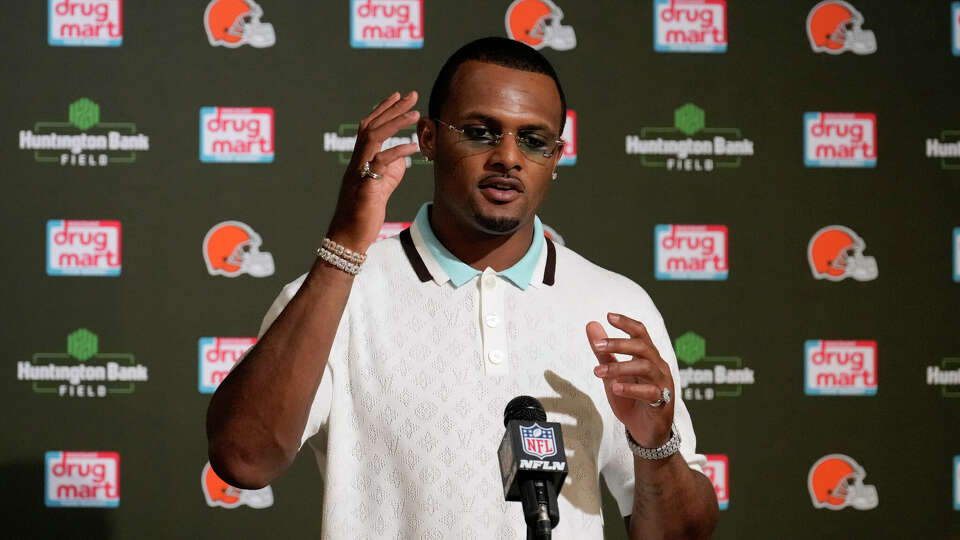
pixel 219 493
pixel 537 23
pixel 836 253
pixel 836 481
pixel 834 27
pixel 232 23
pixel 232 248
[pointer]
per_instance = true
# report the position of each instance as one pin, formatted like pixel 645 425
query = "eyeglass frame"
pixel 560 143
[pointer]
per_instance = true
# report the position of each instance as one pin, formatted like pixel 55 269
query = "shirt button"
pixel 492 320
pixel 490 281
pixel 495 357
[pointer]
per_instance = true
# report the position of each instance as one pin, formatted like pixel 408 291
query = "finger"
pixel 632 327
pixel 631 346
pixel 383 159
pixel 403 105
pixel 388 129
pixel 390 100
pixel 596 334
pixel 642 369
pixel 641 392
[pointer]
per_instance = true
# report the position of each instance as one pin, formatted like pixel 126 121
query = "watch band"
pixel 668 448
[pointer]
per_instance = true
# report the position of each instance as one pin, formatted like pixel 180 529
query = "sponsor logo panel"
pixel 839 139
pixel 569 135
pixel 85 23
pixel 234 23
pixel 220 494
pixel 538 441
pixel 236 134
pixel 835 253
pixel 956 482
pixel 82 479
pixel 705 377
pixel 955 27
pixel 396 24
pixel 82 371
pixel 946 376
pixel 689 145
pixel 232 248
pixel 537 23
pixel 83 248
pixel 216 356
pixel 690 26
pixel 956 254
pixel 691 252
pixel 946 149
pixel 392 228
pixel 84 140
pixel 837 27
pixel 717 470
pixel 840 368
pixel 835 482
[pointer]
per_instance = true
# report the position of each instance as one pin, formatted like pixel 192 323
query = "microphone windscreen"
pixel 524 408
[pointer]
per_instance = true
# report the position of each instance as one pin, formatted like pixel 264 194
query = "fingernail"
pixel 613 317
pixel 600 371
pixel 410 93
pixel 600 344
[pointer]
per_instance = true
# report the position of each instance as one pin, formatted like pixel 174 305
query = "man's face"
pixel 493 189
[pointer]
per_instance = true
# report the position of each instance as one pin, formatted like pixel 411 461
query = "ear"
pixel 427 137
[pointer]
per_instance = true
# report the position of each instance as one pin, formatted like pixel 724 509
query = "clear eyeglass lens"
pixel 480 138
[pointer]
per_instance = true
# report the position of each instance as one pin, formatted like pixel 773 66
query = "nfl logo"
pixel 537 441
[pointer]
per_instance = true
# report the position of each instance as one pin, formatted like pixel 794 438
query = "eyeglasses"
pixel 477 138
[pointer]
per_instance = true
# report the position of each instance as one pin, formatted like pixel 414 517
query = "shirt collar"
pixel 444 266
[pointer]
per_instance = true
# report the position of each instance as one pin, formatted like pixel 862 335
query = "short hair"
pixel 494 50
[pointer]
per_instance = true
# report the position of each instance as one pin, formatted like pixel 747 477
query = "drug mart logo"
pixel 839 139
pixel 392 228
pixel 569 136
pixel 690 26
pixel 85 23
pixel 86 479
pixel 717 470
pixel 537 23
pixel 707 377
pixel 956 254
pixel 689 145
pixel 236 134
pixel 956 482
pixel 83 371
pixel 840 368
pixel 83 248
pixel 946 376
pixel 216 356
pixel 220 494
pixel 343 140
pixel 84 140
pixel 946 149
pixel 955 27
pixel 383 24
pixel 694 252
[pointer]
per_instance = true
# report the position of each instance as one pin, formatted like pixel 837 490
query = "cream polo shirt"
pixel 408 416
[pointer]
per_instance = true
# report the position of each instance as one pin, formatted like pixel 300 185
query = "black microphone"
pixel 533 464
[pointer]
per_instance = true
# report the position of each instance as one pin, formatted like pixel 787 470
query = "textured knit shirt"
pixel 408 417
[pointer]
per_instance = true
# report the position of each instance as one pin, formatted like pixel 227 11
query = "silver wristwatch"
pixel 668 448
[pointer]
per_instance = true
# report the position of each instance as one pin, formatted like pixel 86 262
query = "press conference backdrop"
pixel 783 178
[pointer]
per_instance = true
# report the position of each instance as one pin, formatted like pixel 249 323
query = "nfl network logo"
pixel 236 134
pixel 840 368
pixel 839 139
pixel 717 470
pixel 85 23
pixel 569 135
pixel 386 24
pixel 695 252
pixel 956 254
pixel 690 26
pixel 538 441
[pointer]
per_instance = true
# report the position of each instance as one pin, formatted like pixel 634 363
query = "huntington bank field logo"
pixel 236 134
pixel 85 23
pixel 690 26
pixel 840 368
pixel 569 136
pixel 705 377
pixel 220 494
pixel 717 470
pixel 695 252
pixel 84 140
pixel 343 140
pixel 216 356
pixel 234 23
pixel 386 24
pixel 946 149
pixel 839 139
pixel 689 145
pixel 537 23
pixel 83 248
pixel 946 376
pixel 83 371
pixel 85 479
pixel 835 482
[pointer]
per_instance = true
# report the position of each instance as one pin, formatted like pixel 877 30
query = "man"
pixel 399 376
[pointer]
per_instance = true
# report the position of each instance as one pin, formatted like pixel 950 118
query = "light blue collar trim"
pixel 459 272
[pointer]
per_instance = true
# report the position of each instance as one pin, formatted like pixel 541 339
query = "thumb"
pixel 595 332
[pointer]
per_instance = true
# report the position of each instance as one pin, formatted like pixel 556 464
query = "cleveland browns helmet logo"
pixel 232 248
pixel 835 253
pixel 836 482
pixel 232 23
pixel 834 27
pixel 219 493
pixel 537 23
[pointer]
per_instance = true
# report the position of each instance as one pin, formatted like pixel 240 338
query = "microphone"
pixel 533 464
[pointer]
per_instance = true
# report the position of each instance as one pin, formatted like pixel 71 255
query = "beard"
pixel 496 225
